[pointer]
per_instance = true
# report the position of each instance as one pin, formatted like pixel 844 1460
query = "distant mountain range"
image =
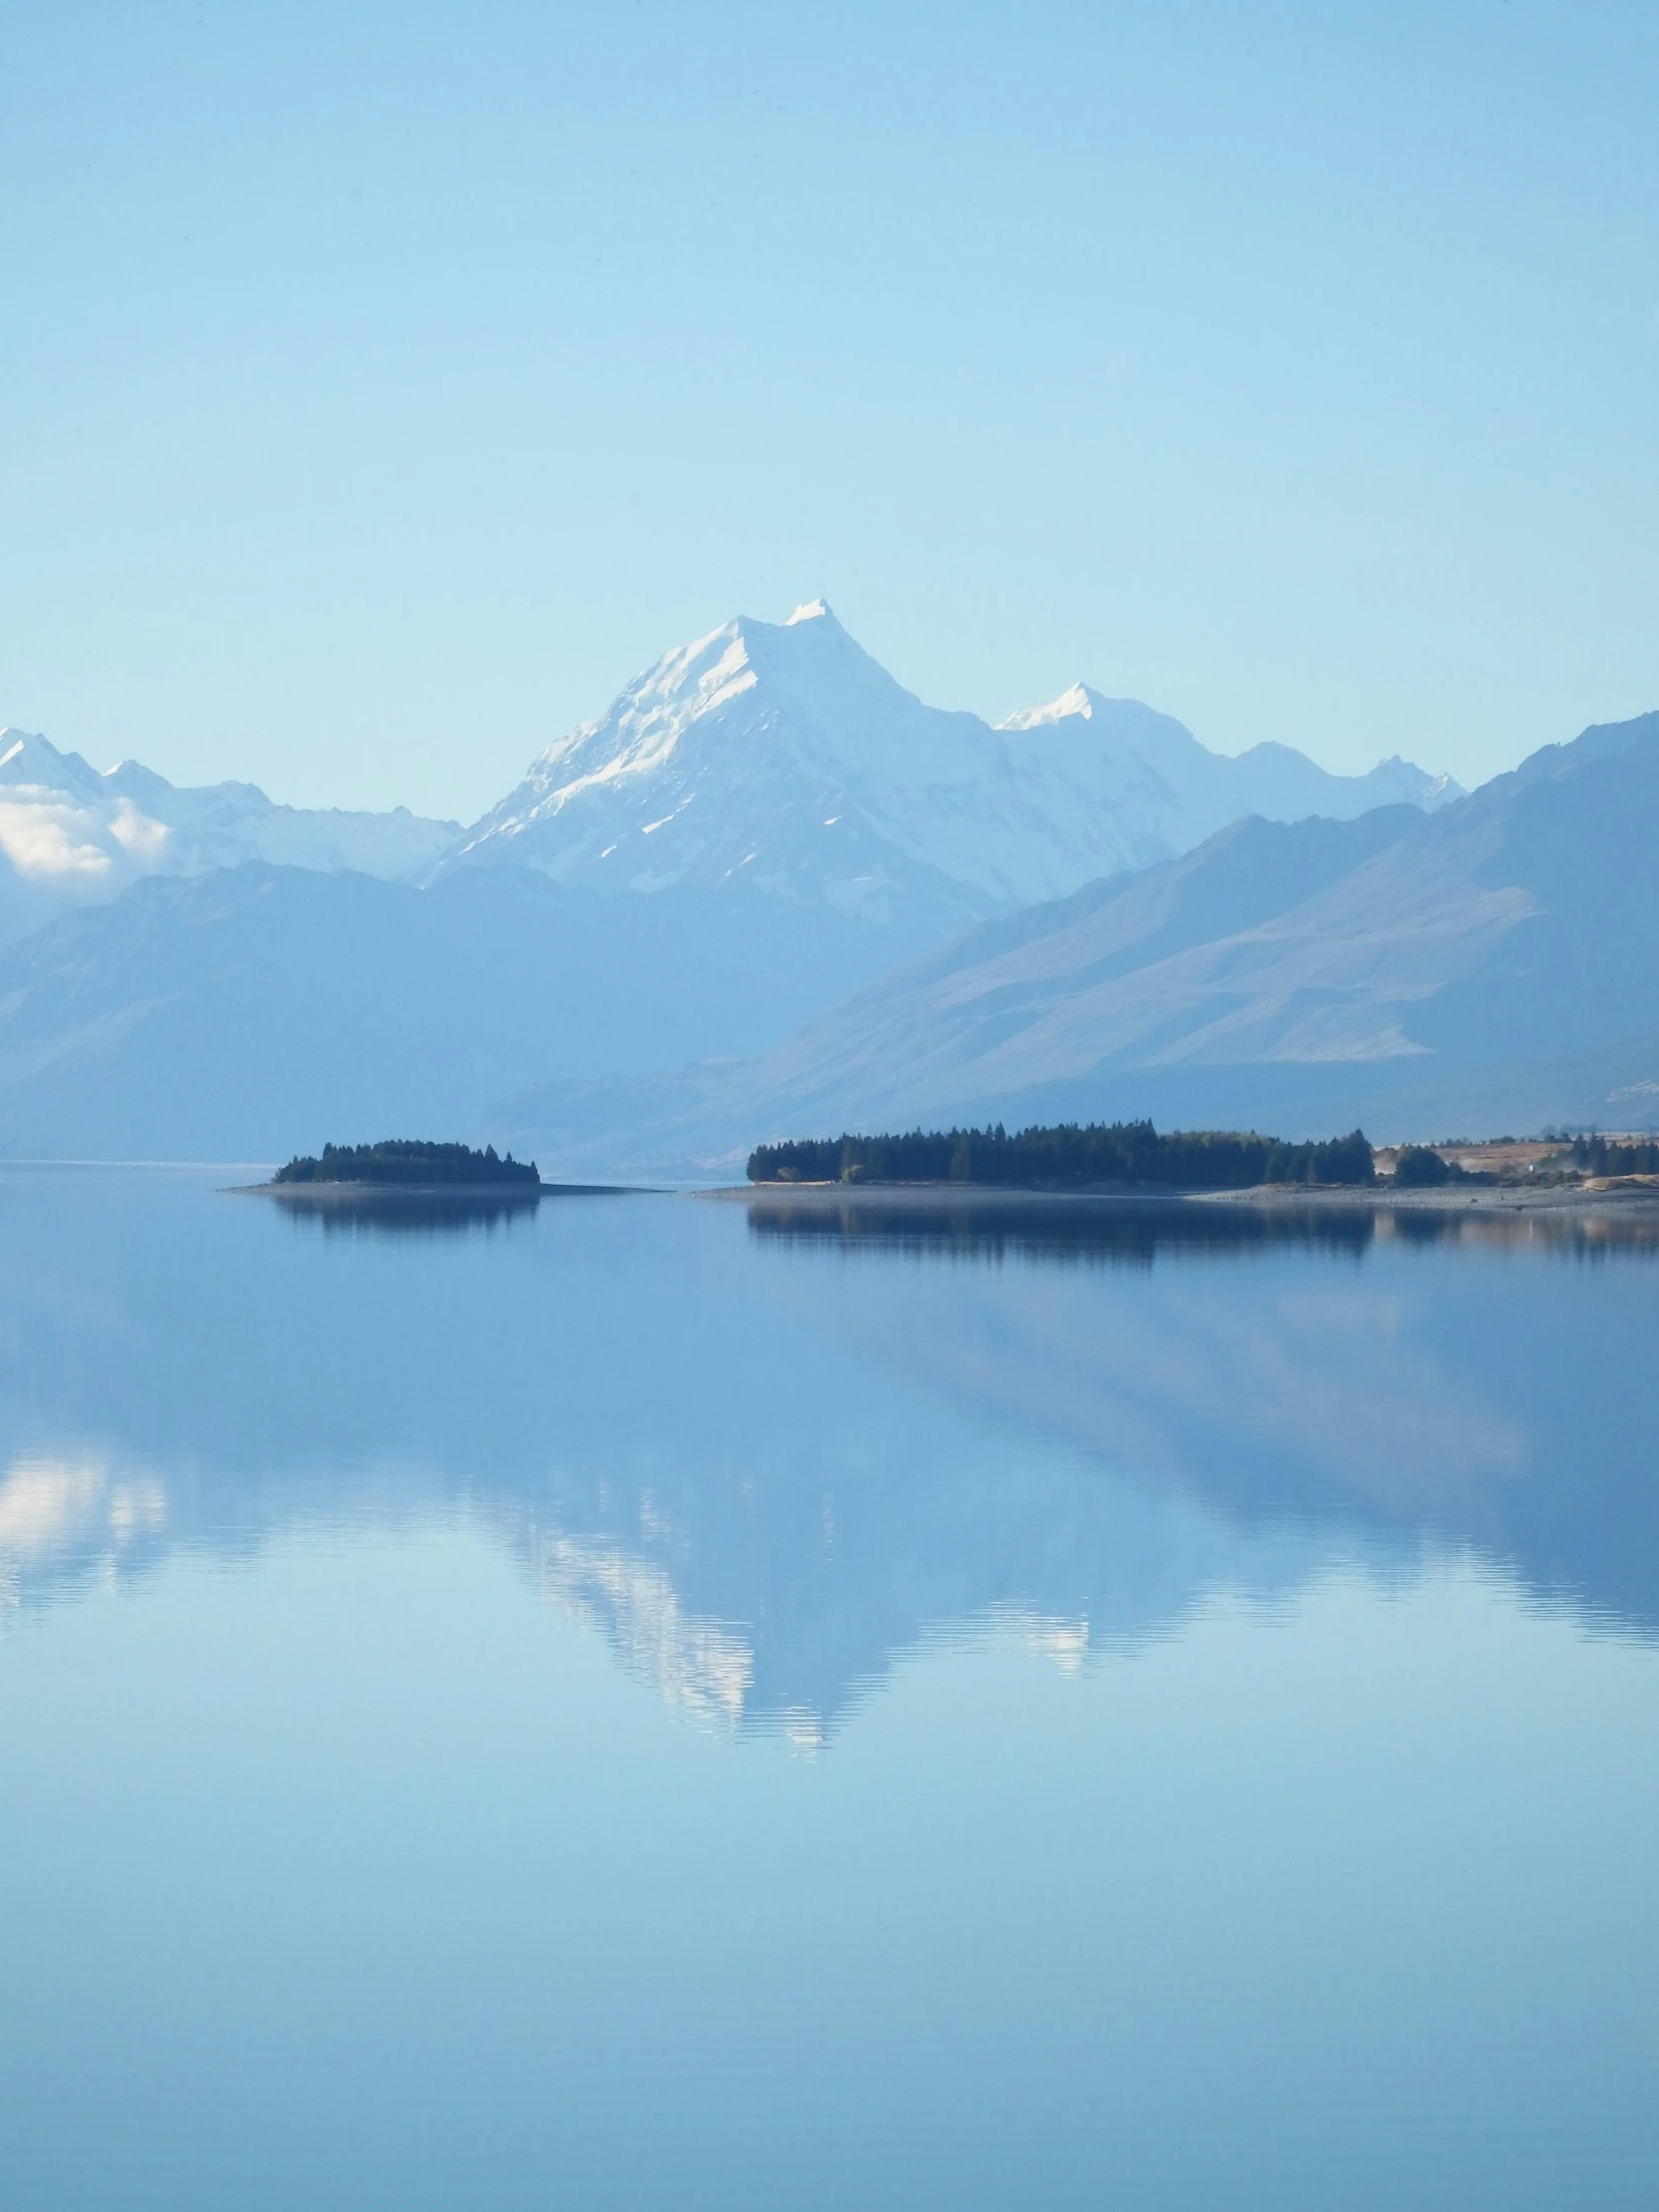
pixel 260 1011
pixel 1495 962
pixel 73 836
pixel 771 893
pixel 781 755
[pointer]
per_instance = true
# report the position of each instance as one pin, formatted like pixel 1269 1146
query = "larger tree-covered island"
pixel 404 1163
pixel 1119 1154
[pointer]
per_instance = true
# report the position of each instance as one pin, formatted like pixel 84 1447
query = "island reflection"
pixel 1133 1232
pixel 363 1211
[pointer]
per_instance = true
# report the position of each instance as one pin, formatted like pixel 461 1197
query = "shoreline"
pixel 1262 1197
pixel 471 1194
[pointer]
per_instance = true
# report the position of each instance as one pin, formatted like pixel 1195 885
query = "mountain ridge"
pixel 780 754
pixel 72 834
pixel 786 750
pixel 1302 974
pixel 255 1010
pixel 1499 956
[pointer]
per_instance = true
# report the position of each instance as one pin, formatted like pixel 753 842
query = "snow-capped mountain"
pixel 73 836
pixel 784 754
pixel 776 757
pixel 1149 770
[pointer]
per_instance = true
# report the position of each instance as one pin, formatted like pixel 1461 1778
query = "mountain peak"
pixel 28 759
pixel 781 755
pixel 1079 700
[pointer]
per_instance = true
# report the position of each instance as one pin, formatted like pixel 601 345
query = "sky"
pixel 382 388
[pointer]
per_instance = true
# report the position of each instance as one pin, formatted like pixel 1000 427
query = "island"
pixel 1101 1156
pixel 400 1163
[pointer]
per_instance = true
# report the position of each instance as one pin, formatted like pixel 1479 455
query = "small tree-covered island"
pixel 1118 1154
pixel 400 1162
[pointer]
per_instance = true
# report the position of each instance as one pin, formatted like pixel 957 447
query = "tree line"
pixel 1421 1167
pixel 1068 1157
pixel 407 1160
pixel 1606 1156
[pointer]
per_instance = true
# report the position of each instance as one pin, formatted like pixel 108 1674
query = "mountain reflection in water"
pixel 762 1473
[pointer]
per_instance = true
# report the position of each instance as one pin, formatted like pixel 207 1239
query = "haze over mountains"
pixel 769 855
pixel 257 1011
pixel 73 836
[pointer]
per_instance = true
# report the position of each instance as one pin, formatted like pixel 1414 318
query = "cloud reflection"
pixel 72 1517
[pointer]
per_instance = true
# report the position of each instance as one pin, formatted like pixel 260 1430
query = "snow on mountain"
pixel 1146 768
pixel 72 835
pixel 786 753
pixel 775 756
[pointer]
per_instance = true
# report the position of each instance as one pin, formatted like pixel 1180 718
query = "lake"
pixel 660 1700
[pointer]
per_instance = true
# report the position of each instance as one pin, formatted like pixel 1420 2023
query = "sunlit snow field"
pixel 653 1703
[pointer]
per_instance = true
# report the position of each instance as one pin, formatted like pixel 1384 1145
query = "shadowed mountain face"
pixel 261 1012
pixel 1494 964
pixel 762 1457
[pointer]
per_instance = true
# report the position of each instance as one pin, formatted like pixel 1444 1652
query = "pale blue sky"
pixel 380 389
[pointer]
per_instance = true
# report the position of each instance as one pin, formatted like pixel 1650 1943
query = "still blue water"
pixel 657 1703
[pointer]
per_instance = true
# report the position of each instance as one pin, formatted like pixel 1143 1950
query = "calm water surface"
pixel 660 1702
